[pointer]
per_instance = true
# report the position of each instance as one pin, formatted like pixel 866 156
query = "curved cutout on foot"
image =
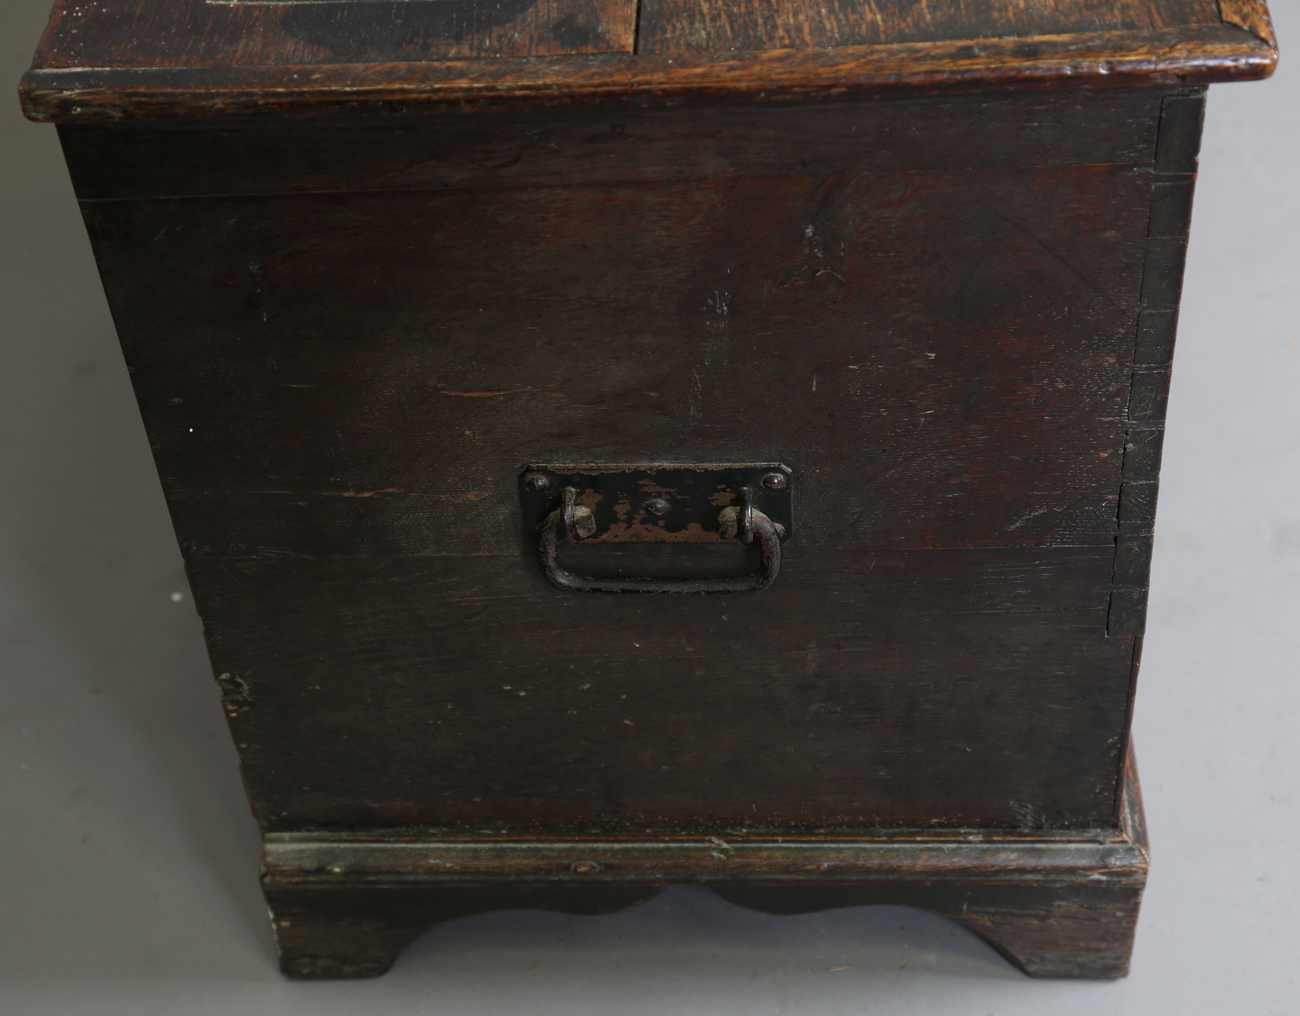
pixel 345 932
pixel 1044 929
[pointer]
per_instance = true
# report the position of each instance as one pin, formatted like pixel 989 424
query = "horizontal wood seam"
pixel 613 181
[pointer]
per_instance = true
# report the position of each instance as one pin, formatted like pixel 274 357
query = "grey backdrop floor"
pixel 128 879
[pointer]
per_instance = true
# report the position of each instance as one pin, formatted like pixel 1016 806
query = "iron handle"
pixel 571 522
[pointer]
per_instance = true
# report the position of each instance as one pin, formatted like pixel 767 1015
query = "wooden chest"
pixel 618 443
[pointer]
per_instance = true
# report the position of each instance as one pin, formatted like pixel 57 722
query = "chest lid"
pixel 116 59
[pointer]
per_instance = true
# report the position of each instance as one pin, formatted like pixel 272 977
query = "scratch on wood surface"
pixel 433 382
pixel 1051 251
pixel 361 493
pixel 1025 518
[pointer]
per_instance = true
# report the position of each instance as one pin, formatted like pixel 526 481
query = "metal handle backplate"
pixel 660 504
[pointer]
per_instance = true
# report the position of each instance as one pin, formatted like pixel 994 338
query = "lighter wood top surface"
pixel 115 58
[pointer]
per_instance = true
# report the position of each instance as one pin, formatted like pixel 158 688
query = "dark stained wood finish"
pixel 258 156
pixel 962 353
pixel 931 688
pixel 369 260
pixel 1073 926
pixel 347 933
pixel 1064 927
pixel 963 404
pixel 685 26
pixel 1052 905
pixel 202 33
pixel 341 457
pixel 1167 227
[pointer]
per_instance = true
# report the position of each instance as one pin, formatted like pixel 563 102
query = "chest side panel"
pixel 942 356
pixel 955 688
pixel 341 389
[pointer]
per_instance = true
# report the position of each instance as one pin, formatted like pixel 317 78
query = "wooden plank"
pixel 345 907
pixel 686 26
pixel 273 155
pixel 1171 205
pixel 323 374
pixel 1179 143
pixel 191 33
pixel 1147 59
pixel 961 688
pixel 194 33
pixel 1077 924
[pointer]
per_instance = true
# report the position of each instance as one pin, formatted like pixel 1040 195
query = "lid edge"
pixel 1162 59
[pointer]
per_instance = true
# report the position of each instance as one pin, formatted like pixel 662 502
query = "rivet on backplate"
pixel 537 481
pixel 774 481
pixel 657 506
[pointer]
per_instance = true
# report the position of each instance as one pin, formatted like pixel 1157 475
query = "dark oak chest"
pixel 617 444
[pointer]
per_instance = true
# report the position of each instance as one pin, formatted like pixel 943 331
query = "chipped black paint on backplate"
pixel 618 496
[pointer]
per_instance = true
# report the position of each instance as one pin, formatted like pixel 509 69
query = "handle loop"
pixel 571 522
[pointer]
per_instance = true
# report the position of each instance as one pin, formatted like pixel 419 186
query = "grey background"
pixel 128 860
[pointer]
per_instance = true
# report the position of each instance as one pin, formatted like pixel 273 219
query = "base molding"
pixel 1056 904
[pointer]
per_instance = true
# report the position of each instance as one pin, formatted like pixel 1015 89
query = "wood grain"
pixel 1078 924
pixel 346 933
pixel 1252 15
pixel 1052 904
pixel 685 26
pixel 272 155
pixel 931 688
pixel 967 373
pixel 1161 58
pixel 198 33
pixel 1167 228
pixel 927 254
pixel 942 352
pixel 191 33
